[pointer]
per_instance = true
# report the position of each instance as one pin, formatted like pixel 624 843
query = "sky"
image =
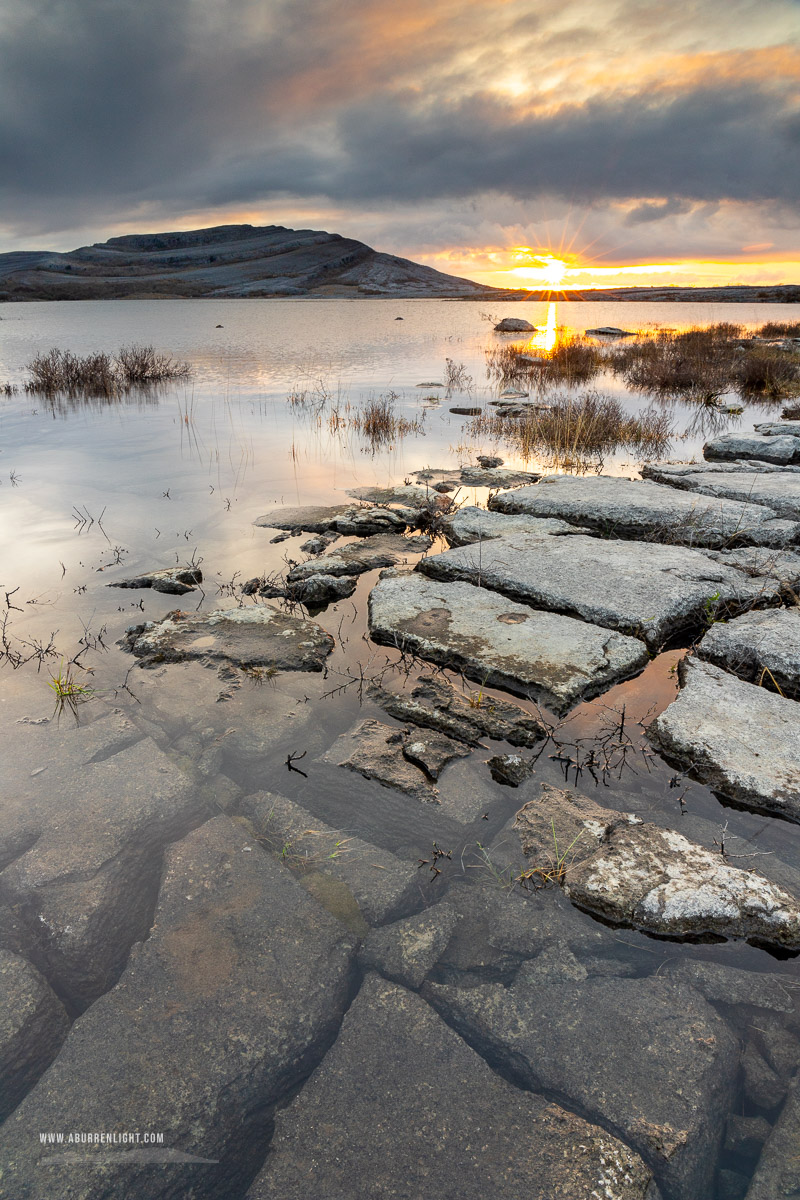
pixel 521 143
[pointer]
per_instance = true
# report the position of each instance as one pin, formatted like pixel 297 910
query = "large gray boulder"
pixel 252 636
pixel 498 643
pixel 235 995
pixel 778 488
pixel 646 590
pixel 649 1058
pixel 402 1107
pixel 33 1024
pixel 639 509
pixel 740 740
pixel 762 647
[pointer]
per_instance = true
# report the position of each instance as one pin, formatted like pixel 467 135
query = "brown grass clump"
pixel 572 360
pixel 60 371
pixel 577 432
pixel 779 329
pixel 379 425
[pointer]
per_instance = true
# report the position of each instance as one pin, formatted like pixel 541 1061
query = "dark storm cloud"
pixel 110 107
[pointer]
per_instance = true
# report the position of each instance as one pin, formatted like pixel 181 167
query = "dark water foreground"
pixel 299 979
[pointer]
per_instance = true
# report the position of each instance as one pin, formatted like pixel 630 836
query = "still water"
pixel 96 490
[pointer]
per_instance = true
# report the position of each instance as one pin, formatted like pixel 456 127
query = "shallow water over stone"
pixel 94 813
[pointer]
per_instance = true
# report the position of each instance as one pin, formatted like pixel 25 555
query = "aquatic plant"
pixel 456 377
pixel 572 360
pixel 380 426
pixel 553 870
pixel 68 692
pixel 101 374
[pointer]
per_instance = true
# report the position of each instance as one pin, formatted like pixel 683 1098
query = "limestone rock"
pixel 317 589
pixel 407 950
pixel 236 993
pixel 33 1024
pixel 449 1127
pixel 339 518
pixel 254 636
pixel 647 1057
pixel 431 752
pixel 470 524
pixel 434 704
pixel 751 482
pixel 717 728
pixel 761 647
pixel 644 589
pixel 381 885
pixel 499 643
pixel 376 752
pixel 173 580
pixel 623 508
pixel 514 325
pixel 371 553
pixel 773 444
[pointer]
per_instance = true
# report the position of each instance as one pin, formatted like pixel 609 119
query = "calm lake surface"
pixel 93 491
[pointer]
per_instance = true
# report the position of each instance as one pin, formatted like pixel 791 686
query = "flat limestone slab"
pixel 755 483
pixel 647 1057
pixel 471 524
pixel 340 518
pixel 402 1107
pixel 643 589
pixel 435 704
pixel 627 508
pixel 761 647
pixel 770 442
pixel 234 995
pixel 368 554
pixel 254 636
pixel 739 739
pixel 499 643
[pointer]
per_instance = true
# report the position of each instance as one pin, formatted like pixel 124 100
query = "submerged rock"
pixel 448 1127
pixel 626 508
pixel 431 752
pixel 434 704
pixel 611 331
pixel 755 483
pixel 499 643
pixel 769 442
pixel 376 752
pixel 407 950
pixel 257 636
pixel 33 1024
pixel 369 554
pixel 649 1058
pixel 778 1170
pixel 339 518
pixel 514 325
pixel 174 580
pixel 236 993
pixel 740 740
pixel 762 647
pixel 645 590
pixel 471 524
pixel 318 543
pixel 511 769
pixel 379 884
pixel 316 589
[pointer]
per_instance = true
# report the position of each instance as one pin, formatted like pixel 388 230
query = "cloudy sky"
pixel 635 140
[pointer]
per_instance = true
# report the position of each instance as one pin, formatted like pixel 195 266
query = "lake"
pixel 93 491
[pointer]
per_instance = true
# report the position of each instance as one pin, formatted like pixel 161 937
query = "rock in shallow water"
pixel 646 1057
pixel 635 509
pixel 239 987
pixel 339 518
pixel 402 1107
pixel 256 636
pixel 752 482
pixel 499 643
pixel 778 1170
pixel 769 442
pixel 33 1024
pixel 740 740
pixel 380 550
pixel 644 589
pixel 172 580
pixel 471 524
pixel 761 647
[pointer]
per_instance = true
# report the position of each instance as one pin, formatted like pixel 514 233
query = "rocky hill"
pixel 227 261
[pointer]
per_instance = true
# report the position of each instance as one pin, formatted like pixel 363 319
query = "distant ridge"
pixel 230 261
pixel 227 261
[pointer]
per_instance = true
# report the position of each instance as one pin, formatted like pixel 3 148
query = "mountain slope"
pixel 226 261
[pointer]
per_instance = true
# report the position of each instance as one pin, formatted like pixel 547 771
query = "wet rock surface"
pixel 761 647
pixel 514 325
pixel 769 442
pixel 623 508
pixel 717 728
pixel 666 1095
pixel 237 991
pixel 449 1126
pixel 644 590
pixel 497 642
pixel 174 580
pixel 730 985
pixel 778 1170
pixel 470 524
pixel 379 883
pixel 33 1025
pixel 253 636
pixel 375 751
pixel 434 704
pixel 380 550
pixel 339 518
pixel 480 476
pixel 752 482
pixel 316 589
pixel 407 950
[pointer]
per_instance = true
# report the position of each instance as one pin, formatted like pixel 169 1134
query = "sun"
pixel 540 268
pixel 554 270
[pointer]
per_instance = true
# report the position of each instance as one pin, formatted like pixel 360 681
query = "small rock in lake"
pixel 514 325
pixel 175 581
